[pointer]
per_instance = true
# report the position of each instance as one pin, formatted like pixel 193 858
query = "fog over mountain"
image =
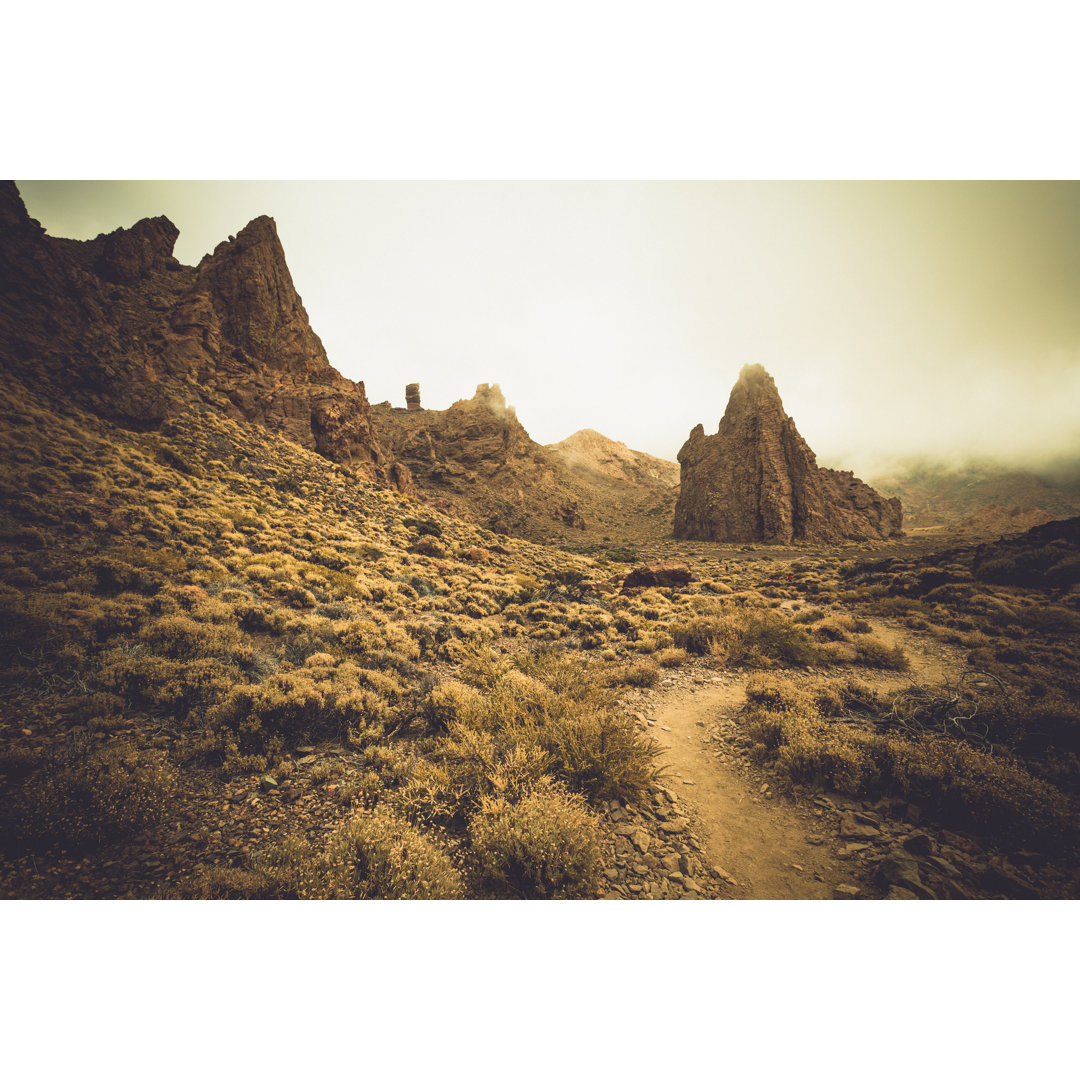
pixel 906 319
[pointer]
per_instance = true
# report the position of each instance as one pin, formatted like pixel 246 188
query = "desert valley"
pixel 261 638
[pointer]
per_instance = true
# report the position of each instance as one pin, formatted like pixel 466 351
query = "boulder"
pixel 665 574
pixel 851 828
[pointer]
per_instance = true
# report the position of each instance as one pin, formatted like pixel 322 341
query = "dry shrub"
pixel 642 674
pixel 470 765
pixel 562 673
pixel 873 652
pixel 963 785
pixel 255 722
pixel 670 658
pixel 549 714
pixel 225 883
pixel 602 753
pixel 544 847
pixel 751 637
pixel 765 638
pixel 142 680
pixel 452 702
pixel 130 568
pixel 180 637
pixel 371 856
pixel 1055 719
pixel 836 628
pixel 380 856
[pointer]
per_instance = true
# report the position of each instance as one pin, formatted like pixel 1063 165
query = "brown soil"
pixel 772 851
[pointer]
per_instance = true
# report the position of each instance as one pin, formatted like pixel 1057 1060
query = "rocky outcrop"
pixel 118 325
pixel 412 397
pixel 476 461
pixel 757 480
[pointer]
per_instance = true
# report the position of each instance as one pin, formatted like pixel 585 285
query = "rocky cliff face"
pixel 120 326
pixel 476 461
pixel 757 480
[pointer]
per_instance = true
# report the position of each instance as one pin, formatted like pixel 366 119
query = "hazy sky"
pixel 905 318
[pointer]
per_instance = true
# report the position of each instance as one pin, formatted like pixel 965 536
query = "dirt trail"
pixel 771 851
pixel 772 847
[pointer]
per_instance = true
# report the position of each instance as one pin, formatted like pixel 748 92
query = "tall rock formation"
pixel 120 327
pixel 757 480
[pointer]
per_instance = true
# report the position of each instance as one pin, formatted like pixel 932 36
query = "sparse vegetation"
pixel 205 626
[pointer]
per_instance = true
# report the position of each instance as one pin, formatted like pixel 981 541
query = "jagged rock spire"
pixel 757 480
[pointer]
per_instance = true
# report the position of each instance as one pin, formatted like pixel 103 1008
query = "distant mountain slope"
pixel 937 495
pixel 119 326
pixel 596 458
pixel 997 521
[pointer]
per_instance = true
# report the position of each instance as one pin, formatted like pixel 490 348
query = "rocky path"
pixel 758 845
pixel 768 850
pixel 754 837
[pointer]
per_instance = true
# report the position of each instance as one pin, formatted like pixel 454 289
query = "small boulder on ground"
pixel 856 827
pixel 666 574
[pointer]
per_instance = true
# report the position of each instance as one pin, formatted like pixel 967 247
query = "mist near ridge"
pixel 900 321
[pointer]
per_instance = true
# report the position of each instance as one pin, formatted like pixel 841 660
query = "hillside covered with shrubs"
pixel 234 668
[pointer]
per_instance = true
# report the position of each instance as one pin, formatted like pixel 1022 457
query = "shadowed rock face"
pixel 475 460
pixel 757 480
pixel 118 325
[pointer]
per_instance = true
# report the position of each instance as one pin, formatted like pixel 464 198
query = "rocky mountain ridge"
pixel 120 326
pixel 757 480
pixel 476 461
